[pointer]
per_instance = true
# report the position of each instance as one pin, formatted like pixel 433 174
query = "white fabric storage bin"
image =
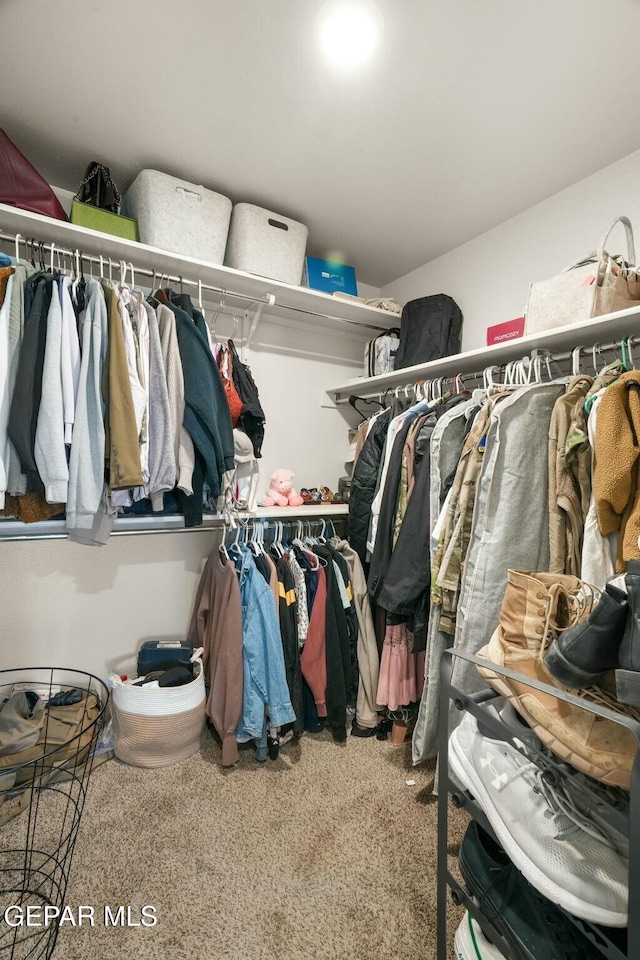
pixel 263 242
pixel 156 726
pixel 178 216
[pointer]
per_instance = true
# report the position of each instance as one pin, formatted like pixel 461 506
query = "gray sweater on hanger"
pixel 89 518
pixel 49 450
pixel 162 457
pixel 183 444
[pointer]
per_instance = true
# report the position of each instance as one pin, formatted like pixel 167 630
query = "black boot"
pixel 628 674
pixel 581 655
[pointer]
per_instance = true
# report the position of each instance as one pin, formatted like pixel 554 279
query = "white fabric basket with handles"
pixel 597 284
pixel 266 243
pixel 157 726
pixel 176 215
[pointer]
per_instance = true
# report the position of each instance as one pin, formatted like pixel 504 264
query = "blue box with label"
pixel 331 277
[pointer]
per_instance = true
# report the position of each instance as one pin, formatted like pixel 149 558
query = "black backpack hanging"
pixel 98 189
pixel 430 329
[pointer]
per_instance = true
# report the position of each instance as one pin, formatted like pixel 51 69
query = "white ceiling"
pixel 469 113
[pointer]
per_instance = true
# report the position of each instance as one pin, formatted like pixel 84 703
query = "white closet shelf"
pixel 608 327
pixel 320 308
pixel 299 513
pixel 124 526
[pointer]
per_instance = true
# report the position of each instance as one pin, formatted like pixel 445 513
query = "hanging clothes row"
pixel 288 640
pixel 110 402
pixel 448 494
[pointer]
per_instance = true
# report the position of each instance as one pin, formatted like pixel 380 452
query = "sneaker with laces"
pixel 559 850
pixel 531 924
pixel 471 944
pixel 608 807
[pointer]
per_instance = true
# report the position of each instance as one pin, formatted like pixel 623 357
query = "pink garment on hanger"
pixel 401 672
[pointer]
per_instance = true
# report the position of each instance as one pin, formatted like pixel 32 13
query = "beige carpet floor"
pixel 326 853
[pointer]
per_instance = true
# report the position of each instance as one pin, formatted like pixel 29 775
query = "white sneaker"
pixel 557 848
pixel 593 798
pixel 471 944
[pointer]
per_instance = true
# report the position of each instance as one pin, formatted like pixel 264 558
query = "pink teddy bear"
pixel 281 492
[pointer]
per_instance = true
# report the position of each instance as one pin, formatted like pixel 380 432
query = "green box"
pixel 84 215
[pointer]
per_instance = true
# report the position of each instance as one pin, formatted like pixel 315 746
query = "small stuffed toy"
pixel 281 492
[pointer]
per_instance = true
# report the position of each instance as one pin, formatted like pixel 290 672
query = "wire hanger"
pixel 220 309
pixel 355 400
pixel 596 347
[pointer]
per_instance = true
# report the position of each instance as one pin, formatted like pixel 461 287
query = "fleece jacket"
pixel 615 466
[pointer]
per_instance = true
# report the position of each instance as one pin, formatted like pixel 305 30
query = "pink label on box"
pixel 501 332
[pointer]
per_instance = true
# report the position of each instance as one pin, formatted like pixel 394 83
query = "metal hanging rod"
pixel 269 299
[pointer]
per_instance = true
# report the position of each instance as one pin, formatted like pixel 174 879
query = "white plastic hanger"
pixel 575 362
pixel 223 550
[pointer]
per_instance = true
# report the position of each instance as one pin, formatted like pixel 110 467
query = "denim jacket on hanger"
pixel 265 678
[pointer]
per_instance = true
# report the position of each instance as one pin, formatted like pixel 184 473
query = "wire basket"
pixel 42 795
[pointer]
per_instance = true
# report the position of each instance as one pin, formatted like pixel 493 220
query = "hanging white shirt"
pixel 69 358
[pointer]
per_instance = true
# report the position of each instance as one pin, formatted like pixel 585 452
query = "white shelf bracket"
pixel 268 301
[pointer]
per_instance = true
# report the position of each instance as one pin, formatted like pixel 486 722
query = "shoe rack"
pixel 612 944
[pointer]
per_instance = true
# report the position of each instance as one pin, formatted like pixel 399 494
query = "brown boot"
pixel 535 607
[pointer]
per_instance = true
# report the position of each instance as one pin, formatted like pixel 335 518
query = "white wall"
pixel 72 606
pixel 489 276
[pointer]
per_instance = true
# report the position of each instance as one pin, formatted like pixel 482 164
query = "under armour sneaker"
pixel 559 850
pixel 531 925
pixel 471 944
pixel 597 801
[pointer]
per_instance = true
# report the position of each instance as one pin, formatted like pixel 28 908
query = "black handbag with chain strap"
pixel 98 189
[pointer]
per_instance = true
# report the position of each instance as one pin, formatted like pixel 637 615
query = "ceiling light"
pixel 348 31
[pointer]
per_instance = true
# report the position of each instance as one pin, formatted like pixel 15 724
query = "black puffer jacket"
pixel 363 485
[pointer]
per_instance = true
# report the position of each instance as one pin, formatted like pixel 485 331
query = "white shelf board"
pixel 604 329
pixel 123 526
pixel 299 513
pixel 320 308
